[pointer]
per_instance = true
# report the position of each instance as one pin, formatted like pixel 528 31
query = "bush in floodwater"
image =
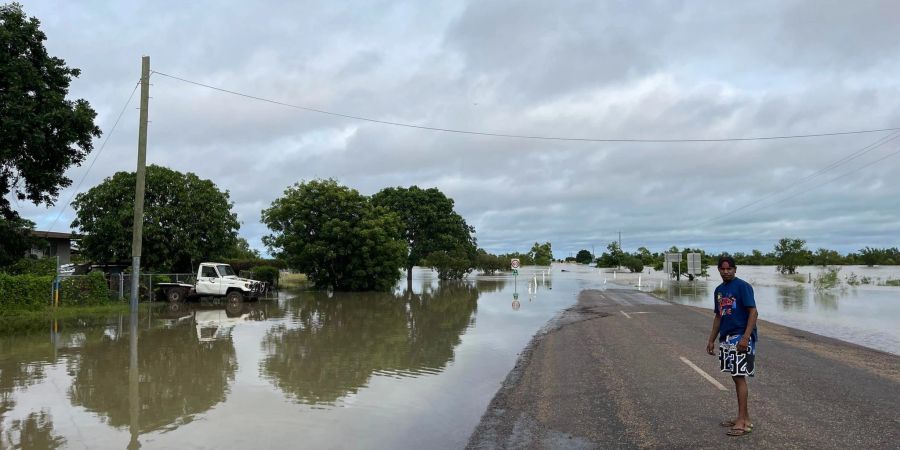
pixel 892 283
pixel 853 280
pixel 828 279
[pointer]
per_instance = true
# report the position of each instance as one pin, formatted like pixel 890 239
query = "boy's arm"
pixel 744 343
pixel 711 343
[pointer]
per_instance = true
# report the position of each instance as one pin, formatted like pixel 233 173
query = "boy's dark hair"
pixel 726 258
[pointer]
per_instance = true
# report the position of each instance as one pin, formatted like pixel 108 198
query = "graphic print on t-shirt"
pixel 726 304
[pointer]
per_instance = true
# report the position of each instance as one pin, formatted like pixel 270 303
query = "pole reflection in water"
pixel 134 398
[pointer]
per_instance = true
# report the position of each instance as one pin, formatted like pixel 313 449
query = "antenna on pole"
pixel 138 224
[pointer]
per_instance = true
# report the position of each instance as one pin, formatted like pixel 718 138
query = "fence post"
pixel 121 286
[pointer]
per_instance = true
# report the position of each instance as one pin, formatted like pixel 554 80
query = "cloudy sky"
pixel 588 70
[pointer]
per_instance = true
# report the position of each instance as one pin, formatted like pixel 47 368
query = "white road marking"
pixel 704 374
pixel 625 314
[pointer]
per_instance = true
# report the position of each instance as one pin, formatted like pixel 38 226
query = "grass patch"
pixel 63 312
pixel 286 280
pixel 892 283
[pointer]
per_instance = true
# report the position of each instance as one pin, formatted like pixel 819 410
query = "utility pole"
pixel 137 232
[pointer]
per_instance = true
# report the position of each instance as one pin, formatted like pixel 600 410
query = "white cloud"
pixel 575 69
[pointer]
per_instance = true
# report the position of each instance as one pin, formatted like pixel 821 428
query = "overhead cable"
pixel 878 143
pixel 520 136
pixel 96 156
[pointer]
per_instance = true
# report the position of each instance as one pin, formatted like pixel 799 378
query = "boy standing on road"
pixel 735 327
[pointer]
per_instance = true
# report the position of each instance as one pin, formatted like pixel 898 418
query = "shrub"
pixel 32 266
pixel 827 279
pixel 24 292
pixel 90 289
pixel 633 264
pixel 852 280
pixel 33 292
pixel 269 274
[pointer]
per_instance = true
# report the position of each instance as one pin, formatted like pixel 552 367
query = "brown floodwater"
pixel 408 369
pixel 401 370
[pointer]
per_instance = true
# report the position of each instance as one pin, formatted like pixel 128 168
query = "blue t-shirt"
pixel 731 302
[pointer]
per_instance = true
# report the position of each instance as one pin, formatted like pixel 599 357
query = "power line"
pixel 519 136
pixel 831 180
pixel 872 146
pixel 878 143
pixel 102 146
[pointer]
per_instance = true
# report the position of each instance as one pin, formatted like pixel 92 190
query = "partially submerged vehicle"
pixel 215 280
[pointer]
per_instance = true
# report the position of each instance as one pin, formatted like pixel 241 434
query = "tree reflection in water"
pixel 35 431
pixel 179 377
pixel 335 344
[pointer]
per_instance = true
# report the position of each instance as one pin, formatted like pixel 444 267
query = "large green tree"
pixel 337 236
pixel 15 239
pixel 41 132
pixel 584 257
pixel 791 253
pixel 186 220
pixel 542 254
pixel 432 230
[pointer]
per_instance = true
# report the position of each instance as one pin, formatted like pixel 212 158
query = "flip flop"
pixel 730 424
pixel 739 431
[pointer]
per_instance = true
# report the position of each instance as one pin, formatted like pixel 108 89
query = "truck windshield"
pixel 225 270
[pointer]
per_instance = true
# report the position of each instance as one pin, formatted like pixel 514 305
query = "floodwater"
pixel 308 370
pixel 862 312
pixel 408 369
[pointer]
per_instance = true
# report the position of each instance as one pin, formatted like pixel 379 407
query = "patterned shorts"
pixel 734 363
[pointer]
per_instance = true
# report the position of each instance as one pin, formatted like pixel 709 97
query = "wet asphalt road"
pixel 615 371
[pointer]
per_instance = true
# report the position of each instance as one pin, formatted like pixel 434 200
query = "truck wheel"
pixel 175 295
pixel 234 297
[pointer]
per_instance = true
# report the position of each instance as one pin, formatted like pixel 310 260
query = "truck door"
pixel 209 283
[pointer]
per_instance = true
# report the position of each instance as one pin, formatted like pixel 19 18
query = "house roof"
pixel 54 235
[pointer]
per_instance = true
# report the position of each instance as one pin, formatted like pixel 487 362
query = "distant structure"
pixel 59 244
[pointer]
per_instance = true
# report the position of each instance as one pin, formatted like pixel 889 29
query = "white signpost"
pixel 693 263
pixel 514 263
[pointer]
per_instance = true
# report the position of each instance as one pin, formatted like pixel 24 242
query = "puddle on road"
pixel 408 369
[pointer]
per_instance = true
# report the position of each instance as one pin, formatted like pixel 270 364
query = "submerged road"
pixel 623 369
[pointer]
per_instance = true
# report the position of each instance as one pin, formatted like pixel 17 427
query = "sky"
pixel 585 71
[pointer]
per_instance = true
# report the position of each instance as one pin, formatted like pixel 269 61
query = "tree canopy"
pixel 433 230
pixel 186 220
pixel 584 257
pixel 41 132
pixel 337 236
pixel 542 254
pixel 791 253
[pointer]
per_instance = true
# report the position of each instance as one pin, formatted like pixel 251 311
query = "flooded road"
pixel 408 369
pixel 864 314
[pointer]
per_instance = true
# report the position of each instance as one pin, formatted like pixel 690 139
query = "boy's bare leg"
pixel 740 387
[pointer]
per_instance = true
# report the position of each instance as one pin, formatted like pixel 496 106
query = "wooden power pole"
pixel 137 233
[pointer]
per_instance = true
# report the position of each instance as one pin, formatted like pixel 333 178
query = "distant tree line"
pixel 786 255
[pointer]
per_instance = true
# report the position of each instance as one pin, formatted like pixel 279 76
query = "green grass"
pixel 892 283
pixel 63 312
pixel 292 280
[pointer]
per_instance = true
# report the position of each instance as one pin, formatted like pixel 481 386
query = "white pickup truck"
pixel 215 280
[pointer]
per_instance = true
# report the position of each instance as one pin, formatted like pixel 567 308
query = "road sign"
pixel 693 261
pixel 515 272
pixel 514 263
